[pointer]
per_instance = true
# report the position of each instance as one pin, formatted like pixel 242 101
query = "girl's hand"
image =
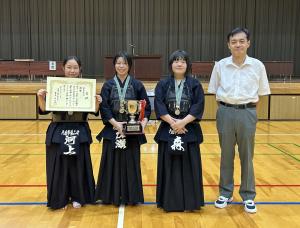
pixel 42 93
pixel 98 99
pixel 119 127
pixel 179 126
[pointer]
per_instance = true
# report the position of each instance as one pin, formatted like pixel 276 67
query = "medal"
pixel 178 93
pixel 122 93
pixel 122 109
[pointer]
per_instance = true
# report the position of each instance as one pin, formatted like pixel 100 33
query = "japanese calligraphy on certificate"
pixel 71 94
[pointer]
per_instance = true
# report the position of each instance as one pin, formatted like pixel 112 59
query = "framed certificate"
pixel 71 94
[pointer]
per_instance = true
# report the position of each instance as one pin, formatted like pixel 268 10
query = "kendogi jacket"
pixel 110 107
pixel 192 102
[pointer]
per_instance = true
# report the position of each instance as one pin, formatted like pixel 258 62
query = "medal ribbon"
pixel 122 91
pixel 178 92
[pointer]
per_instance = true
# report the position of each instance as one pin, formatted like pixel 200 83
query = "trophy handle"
pixel 142 106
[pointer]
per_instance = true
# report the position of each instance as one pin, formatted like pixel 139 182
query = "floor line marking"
pixel 284 152
pixel 121 216
pixel 237 185
pixel 154 185
pixel 22 203
pixel 122 210
pixel 219 154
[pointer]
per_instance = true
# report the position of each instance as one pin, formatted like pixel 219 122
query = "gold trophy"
pixel 133 126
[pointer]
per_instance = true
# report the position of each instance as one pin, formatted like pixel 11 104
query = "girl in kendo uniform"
pixel 68 161
pixel 119 180
pixel 179 104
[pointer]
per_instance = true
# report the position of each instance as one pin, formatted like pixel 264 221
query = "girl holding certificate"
pixel 120 180
pixel 68 161
pixel 179 104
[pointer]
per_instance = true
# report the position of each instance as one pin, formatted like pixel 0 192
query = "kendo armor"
pixel 185 102
pixel 115 101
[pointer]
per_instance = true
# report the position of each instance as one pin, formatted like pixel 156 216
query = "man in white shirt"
pixel 237 81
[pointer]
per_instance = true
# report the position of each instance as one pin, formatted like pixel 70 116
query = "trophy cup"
pixel 133 126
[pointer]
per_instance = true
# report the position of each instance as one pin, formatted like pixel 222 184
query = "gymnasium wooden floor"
pixel 277 167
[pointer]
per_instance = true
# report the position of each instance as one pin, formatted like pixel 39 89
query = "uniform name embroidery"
pixel 70 138
pixel 120 141
pixel 177 144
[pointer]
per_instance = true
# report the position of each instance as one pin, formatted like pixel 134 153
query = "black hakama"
pixel 69 177
pixel 120 180
pixel 179 176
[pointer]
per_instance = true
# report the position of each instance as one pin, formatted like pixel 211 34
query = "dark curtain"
pixel 53 29
pixel 201 27
pixel 92 29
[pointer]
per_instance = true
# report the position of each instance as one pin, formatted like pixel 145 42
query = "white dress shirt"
pixel 243 84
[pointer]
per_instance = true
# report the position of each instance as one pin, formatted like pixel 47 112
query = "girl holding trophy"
pixel 125 111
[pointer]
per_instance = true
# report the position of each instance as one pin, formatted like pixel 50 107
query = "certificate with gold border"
pixel 70 94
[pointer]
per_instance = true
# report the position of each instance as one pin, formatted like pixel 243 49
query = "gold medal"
pixel 177 111
pixel 122 93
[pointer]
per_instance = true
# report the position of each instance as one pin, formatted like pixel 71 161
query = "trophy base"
pixel 133 129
